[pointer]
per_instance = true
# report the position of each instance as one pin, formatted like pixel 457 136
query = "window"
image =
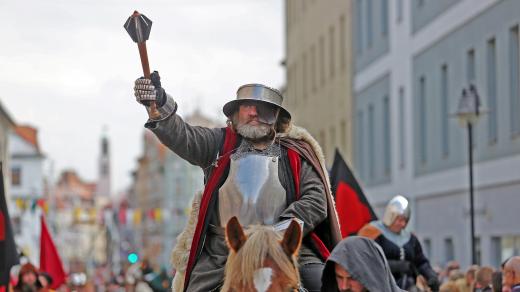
pixel 332 44
pixel 296 82
pixel 343 42
pixel 478 251
pixel 332 140
pixel 402 129
pixel 313 69
pixel 343 134
pixel 492 91
pixel 386 135
pixel 470 69
pixel 399 10
pixel 360 144
pixel 384 17
pixel 369 23
pixel 323 139
pixel 496 251
pixel 449 250
pixel 422 120
pixel 290 77
pixel 359 26
pixel 514 63
pixel 427 243
pixel 288 9
pixel 510 246
pixel 445 131
pixel 371 143
pixel 16 176
pixel 305 83
pixel 322 60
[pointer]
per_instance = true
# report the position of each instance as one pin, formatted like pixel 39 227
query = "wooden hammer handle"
pixel 144 59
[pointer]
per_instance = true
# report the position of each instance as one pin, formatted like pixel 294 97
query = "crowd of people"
pixel 386 257
pixel 138 277
pixel 358 264
pixel 31 279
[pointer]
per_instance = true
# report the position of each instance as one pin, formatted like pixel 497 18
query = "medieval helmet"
pixel 256 92
pixel 398 206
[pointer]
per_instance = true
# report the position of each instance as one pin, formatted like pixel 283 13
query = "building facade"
pixel 318 64
pixel 411 61
pixel 161 192
pixel 27 179
pixel 6 126
pixel 27 188
pixel 182 181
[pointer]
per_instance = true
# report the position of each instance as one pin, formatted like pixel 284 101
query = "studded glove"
pixel 149 93
pixel 150 90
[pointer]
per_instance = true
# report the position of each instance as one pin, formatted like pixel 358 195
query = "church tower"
pixel 104 178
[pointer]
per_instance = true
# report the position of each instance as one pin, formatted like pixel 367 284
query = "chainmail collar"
pixel 246 148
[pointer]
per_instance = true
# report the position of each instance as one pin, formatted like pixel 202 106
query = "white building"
pixel 412 60
pixel 27 179
pixel 27 187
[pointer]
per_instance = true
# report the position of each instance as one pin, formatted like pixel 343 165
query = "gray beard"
pixel 257 132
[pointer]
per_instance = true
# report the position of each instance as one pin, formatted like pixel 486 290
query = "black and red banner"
pixel 8 252
pixel 354 210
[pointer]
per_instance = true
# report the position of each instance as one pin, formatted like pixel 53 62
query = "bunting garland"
pixel 123 215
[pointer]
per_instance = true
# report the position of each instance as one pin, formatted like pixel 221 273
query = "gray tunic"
pixel 200 146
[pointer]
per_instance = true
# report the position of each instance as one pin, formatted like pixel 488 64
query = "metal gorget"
pixel 252 190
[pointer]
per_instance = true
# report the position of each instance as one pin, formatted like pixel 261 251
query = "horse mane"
pixel 263 242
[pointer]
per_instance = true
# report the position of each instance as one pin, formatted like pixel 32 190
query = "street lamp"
pixel 468 113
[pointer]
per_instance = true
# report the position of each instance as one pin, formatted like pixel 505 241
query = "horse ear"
pixel 235 235
pixel 292 239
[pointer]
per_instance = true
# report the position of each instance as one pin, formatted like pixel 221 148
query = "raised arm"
pixel 197 145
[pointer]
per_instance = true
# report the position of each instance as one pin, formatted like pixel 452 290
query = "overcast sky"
pixel 67 67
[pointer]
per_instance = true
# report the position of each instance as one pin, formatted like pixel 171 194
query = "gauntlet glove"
pixel 149 93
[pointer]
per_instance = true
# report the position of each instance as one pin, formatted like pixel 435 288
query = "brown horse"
pixel 262 261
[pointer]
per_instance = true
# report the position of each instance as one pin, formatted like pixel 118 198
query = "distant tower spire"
pixel 104 178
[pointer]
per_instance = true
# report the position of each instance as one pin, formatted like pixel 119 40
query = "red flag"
pixel 50 261
pixel 354 210
pixel 8 253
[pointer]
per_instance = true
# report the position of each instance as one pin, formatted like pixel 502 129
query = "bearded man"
pixel 260 168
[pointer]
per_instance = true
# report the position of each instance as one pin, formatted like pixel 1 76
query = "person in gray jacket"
pixel 261 169
pixel 357 264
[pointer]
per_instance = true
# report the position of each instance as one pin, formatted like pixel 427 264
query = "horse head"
pixel 262 260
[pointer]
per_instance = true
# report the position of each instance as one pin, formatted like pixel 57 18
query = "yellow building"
pixel 318 66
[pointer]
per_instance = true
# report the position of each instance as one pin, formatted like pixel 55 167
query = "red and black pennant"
pixel 354 210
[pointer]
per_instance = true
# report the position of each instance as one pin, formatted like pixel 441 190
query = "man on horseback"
pixel 261 169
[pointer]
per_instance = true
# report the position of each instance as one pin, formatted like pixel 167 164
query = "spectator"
pixel 511 274
pixel 27 279
pixel 134 279
pixel 45 281
pixel 483 279
pixel 496 282
pixel 450 266
pixel 357 264
pixel 455 275
pixel 449 286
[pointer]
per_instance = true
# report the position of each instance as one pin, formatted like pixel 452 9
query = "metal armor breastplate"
pixel 252 191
